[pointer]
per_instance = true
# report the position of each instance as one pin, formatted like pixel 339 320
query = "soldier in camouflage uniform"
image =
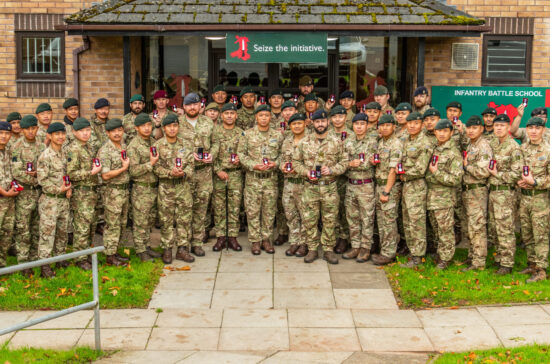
pixel 305 83
pixel 213 112
pixel 160 99
pixel 475 194
pixel 534 203
pixel 360 197
pixel 373 112
pixel 98 121
pixel 116 179
pixel 320 158
pixel 429 121
pixel 443 176
pixel 276 101
pixel 417 151
pixel 521 133
pixel 421 100
pixel 84 175
pixel 137 103
pixel 228 176
pixel 72 110
pixel 402 110
pixel 44 114
pixel 245 115
pixel 506 171
pixel 489 115
pixel 219 95
pixel 25 151
pixel 53 206
pixel 14 118
pixel 382 96
pixel 7 193
pixel 347 100
pixel 174 169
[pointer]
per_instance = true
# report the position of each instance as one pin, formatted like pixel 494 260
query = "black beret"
pixel 310 97
pixel 54 127
pixel 431 112
pixel 5 126
pixel 246 90
pixel 539 111
pixel 337 110
pixel 142 118
pixel 28 121
pixel 535 121
pixel 474 120
pixel 170 119
pixel 113 124
pixel 261 108
pixel 455 104
pixel 422 90
pixel 347 95
pixel 191 98
pixel 43 107
pixel 276 92
pixel 70 102
pixel 319 114
pixel 502 118
pixel 80 123
pixel 489 110
pixel 288 103
pixel 404 106
pixel 297 116
pixel 414 116
pixel 359 117
pixel 102 102
pixel 229 106
pixel 444 124
pixel 13 116
pixel 373 105
pixel 386 119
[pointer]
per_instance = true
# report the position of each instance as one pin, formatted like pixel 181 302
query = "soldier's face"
pixel 474 131
pixel 298 126
pixel 360 127
pixel 382 99
pixel 420 101
pixel 30 133
pixel 136 107
pixel 103 112
pixel 161 103
pixel 44 117
pixel 430 122
pixel 15 126
pixel 414 127
pixel 488 119
pixel 501 129
pixel 116 135
pixel 145 130
pixel 347 103
pixel 263 118
pixel 72 112
pixel 304 90
pixel 229 117
pixel 83 134
pixel 373 115
pixel 453 112
pixel 288 112
pixel 192 110
pixel 276 101
pixel 386 129
pixel 534 132
pixel 58 138
pixel 338 121
pixel 443 135
pixel 171 130
pixel 401 116
pixel 311 106
pixel 248 100
pixel 320 125
pixel 219 97
pixel 4 138
pixel 212 114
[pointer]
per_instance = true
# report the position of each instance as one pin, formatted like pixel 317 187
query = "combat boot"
pixel 27 272
pixel 167 256
pixel 84 265
pixel 414 262
pixel 153 253
pixel 473 267
pixel 363 255
pixel 442 265
pixel 529 270
pixel 46 271
pixel 234 244
pixel 255 248
pixel 112 260
pixel 379 259
pixel 220 244
pixel 198 251
pixel 503 271
pixel 183 254
pixel 351 254
pixel 330 257
pixel 281 239
pixel 121 258
pixel 291 250
pixel 266 245
pixel 311 256
pixel 341 246
pixel 539 274
pixel 144 257
pixel 302 251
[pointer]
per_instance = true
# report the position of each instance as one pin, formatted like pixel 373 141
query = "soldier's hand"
pixel 208 159
pixel 325 171
pixel 329 105
pixel 371 160
pixel 465 161
pixel 32 174
pixel 402 177
pixel 69 193
pixel 95 169
pixel 223 175
pixel 521 110
pixel 270 165
pixel 529 180
pixel 154 160
pixel 493 171
pixel 260 167
pixel 125 162
pixel 237 160
pixel 175 171
pixel 432 167
pixel 384 199
pixel 311 178
pixel 11 192
pixel 65 188
pixel 355 163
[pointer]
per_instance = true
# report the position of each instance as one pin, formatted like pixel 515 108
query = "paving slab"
pixel 10 318
pixel 463 338
pixel 546 308
pixel 301 280
pixel 225 357
pixel 188 280
pixel 303 298
pixel 251 298
pixel 323 339
pixel 446 317
pixel 127 318
pixel 517 315
pixel 386 318
pixel 76 320
pixel 254 318
pixel 394 339
pixel 351 266
pixel 200 265
pixel 320 318
pixel 354 280
pixel 184 339
pixel 390 358
pixel 181 299
pixel 48 339
pixel 269 338
pixel 145 357
pixel 286 265
pixel 190 317
pixel 365 298
pixel 117 339
pixel 518 335
pixel 246 264
pixel 257 280
pixel 297 357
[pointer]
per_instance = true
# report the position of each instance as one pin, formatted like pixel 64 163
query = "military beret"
pixel 142 118
pixel 305 81
pixel 454 104
pixel 373 105
pixel 80 123
pixel 337 110
pixel 386 119
pixel 28 121
pixel 137 97
pixel 288 103
pixel 431 112
pixel 113 124
pixel 422 90
pixel 414 116
pixel 246 90
pixel 502 118
pixel 229 106
pixel 276 92
pixel 160 94
pixel 360 116
pixel 536 121
pixel 474 120
pixel 5 126
pixel 218 88
pixel 489 110
pixel 262 108
pixel 102 102
pixel 319 114
pixel 310 97
pixel 404 106
pixel 13 116
pixel 70 102
pixel 54 127
pixel 443 124
pixel 191 98
pixel 43 107
pixel 212 106
pixel 297 116
pixel 539 111
pixel 347 95
pixel 170 119
pixel 381 90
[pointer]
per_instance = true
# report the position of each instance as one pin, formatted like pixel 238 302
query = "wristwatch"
pixel 384 193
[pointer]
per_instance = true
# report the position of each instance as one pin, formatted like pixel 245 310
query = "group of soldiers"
pixel 321 172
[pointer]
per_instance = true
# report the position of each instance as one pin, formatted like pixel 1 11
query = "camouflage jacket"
pixel 23 152
pixel 245 118
pixel 256 145
pixel 276 120
pixel 372 132
pixel 387 108
pixel 349 117
pixel 479 155
pixel 312 152
pixel 524 138
pixel 200 136
pixel 168 152
pixel 537 157
pixel 430 137
pixel 332 132
pixel 139 152
pixel 416 156
pixel 300 107
pixel 69 131
pixel 129 127
pixel 401 133
pixel 422 110
pixel 80 163
pixel 99 135
pixel 42 134
pixel 443 183
pixel 51 168
pixel 5 169
pixel 226 141
pixel 287 154
pixel 367 146
pixel 13 140
pixel 490 136
pixel 509 162
pixel 110 158
pixel 390 151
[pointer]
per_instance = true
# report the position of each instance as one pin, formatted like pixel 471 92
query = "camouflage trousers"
pixel 475 207
pixel 533 215
pixel 260 202
pixel 360 207
pixel 502 213
pixel 54 222
pixel 413 207
pixel 342 226
pixel 27 223
pixel 201 189
pixel 7 220
pixel 461 225
pixel 443 221
pixel 175 203
pixel 320 202
pixel 234 196
pixel 84 204
pixel 116 201
pixel 386 215
pixel 292 203
pixel 282 225
pixel 144 200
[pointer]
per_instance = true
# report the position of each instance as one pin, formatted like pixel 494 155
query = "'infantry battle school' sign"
pixel 281 47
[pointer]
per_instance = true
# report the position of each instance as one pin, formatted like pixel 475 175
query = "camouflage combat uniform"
pixel 99 135
pixel 129 127
pixel 245 118
pixel 7 206
pixel 301 108
pixel 387 108
pixel 42 134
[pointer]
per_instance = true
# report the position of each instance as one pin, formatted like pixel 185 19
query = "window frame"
pixel 485 81
pixel 21 76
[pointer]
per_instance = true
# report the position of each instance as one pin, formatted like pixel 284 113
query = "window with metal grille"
pixel 40 56
pixel 506 60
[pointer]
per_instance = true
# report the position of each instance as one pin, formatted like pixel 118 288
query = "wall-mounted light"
pixel 215 38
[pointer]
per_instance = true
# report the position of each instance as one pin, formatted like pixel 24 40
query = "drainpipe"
pixel 76 66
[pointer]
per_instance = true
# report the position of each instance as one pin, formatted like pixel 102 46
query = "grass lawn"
pixel 119 287
pixel 29 355
pixel 521 354
pixel 427 287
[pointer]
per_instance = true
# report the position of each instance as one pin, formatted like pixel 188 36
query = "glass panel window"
pixel 40 56
pixel 506 59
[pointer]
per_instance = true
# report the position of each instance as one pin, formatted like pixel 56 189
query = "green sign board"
pixel 270 47
pixel 504 99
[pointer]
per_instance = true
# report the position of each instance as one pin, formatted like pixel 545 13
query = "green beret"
pixel 43 107
pixel 170 119
pixel 454 104
pixel 142 118
pixel 414 116
pixel 431 112
pixel 113 124
pixel 386 119
pixel 137 97
pixel 337 110
pixel 381 90
pixel 474 120
pixel 297 116
pixel 80 123
pixel 360 117
pixel 310 97
pixel 212 106
pixel 535 121
pixel 13 116
pixel 404 106
pixel 70 102
pixel 276 92
pixel 57 126
pixel 502 118
pixel 373 105
pixel 489 110
pixel 246 90
pixel 262 108
pixel 219 88
pixel 28 121
pixel 444 124
pixel 229 106
pixel 288 103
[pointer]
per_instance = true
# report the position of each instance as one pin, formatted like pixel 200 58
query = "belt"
pixel 85 188
pixel 500 188
pixel 123 186
pixel 532 192
pixel 29 187
pixel 413 179
pixel 382 182
pixel 296 181
pixel 229 170
pixel 322 183
pixel 202 166
pixel 262 175
pixel 359 181
pixel 169 181
pixel 53 195
pixel 146 184
pixel 473 186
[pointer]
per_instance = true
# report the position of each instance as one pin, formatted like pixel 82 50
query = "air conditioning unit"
pixel 465 56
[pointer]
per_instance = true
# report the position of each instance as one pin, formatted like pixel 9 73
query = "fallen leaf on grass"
pixel 27 286
pixel 114 292
pixel 3 289
pixel 104 279
pixel 127 252
pixel 526 292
